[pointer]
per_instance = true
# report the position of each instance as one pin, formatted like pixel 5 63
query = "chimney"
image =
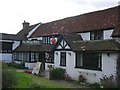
pixel 25 24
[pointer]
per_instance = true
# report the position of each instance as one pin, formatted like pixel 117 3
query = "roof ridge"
pixel 82 14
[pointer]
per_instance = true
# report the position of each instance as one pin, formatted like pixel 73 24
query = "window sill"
pixel 63 65
pixel 5 52
pixel 16 60
pixel 88 68
pixel 30 61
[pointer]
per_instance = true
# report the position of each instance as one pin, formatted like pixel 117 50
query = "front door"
pixel 42 59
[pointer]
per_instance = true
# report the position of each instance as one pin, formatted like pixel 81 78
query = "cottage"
pixel 87 44
pixel 8 43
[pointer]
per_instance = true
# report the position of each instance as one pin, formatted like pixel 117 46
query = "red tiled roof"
pixel 104 19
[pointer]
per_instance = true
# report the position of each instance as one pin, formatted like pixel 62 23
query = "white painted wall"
pixel 17 62
pixel 5 40
pixel 46 65
pixel 85 36
pixel 107 34
pixel 92 76
pixel 30 65
pixel 6 57
pixel 16 44
pixel 117 39
pixel 38 38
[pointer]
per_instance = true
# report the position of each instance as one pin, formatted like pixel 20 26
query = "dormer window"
pixel 96 35
pixel 46 40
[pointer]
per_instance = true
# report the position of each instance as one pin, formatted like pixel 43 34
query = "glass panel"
pixel 96 35
pixel 63 59
pixel 79 61
pixel 32 56
pixel 91 60
pixel 36 57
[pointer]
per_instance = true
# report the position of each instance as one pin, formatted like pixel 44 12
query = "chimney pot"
pixel 25 24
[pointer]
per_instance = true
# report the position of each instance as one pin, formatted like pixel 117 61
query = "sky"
pixel 14 12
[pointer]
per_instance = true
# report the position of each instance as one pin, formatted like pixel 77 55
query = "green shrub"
pixel 95 85
pixel 4 66
pixel 17 65
pixel 57 74
pixel 8 76
pixel 35 85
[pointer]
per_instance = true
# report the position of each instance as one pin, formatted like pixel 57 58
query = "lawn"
pixel 24 80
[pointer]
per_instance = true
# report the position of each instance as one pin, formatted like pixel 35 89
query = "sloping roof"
pixel 69 38
pixel 104 19
pixel 22 35
pixel 35 48
pixel 97 45
pixel 116 32
pixel 5 36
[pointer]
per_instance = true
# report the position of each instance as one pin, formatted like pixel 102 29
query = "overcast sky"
pixel 14 12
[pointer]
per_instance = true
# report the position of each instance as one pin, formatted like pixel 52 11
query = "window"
pixel 20 56
pixel 46 40
pixel 96 35
pixel 63 59
pixel 6 47
pixel 34 57
pixel 89 61
pixel 79 62
pixel 15 56
pixel 49 56
pixel 26 56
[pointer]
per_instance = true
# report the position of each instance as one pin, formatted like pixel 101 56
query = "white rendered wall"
pixel 30 65
pixel 46 65
pixel 38 38
pixel 108 34
pixel 117 39
pixel 92 76
pixel 15 44
pixel 85 36
pixel 6 57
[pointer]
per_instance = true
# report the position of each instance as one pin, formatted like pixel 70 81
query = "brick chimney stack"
pixel 25 24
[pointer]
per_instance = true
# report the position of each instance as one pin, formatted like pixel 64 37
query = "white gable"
pixel 63 45
pixel 67 47
pixel 59 47
pixel 108 34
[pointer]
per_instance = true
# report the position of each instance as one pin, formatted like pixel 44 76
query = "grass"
pixel 24 80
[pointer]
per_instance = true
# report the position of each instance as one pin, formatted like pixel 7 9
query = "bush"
pixel 95 85
pixel 8 76
pixel 108 82
pixel 57 74
pixel 35 85
pixel 17 65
